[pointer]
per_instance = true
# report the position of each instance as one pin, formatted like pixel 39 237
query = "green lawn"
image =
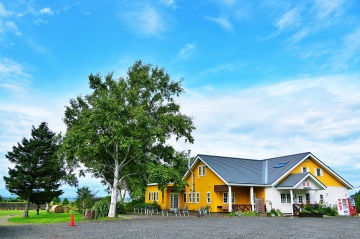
pixel 43 217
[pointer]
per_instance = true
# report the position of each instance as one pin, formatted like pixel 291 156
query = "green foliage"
pixel 249 213
pixel 310 208
pixel 56 201
pixel 85 198
pixel 246 214
pixel 65 202
pixel 329 211
pixel 102 207
pixel 356 197
pixel 38 170
pixel 124 125
pixel 276 212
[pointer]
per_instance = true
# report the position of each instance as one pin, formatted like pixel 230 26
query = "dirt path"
pixel 4 220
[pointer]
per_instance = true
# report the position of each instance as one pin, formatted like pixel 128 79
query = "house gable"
pixel 311 164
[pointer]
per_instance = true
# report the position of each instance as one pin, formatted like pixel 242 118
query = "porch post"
pixel 252 198
pixel 292 202
pixel 230 198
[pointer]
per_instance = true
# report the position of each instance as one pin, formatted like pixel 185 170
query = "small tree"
pixel 85 198
pixel 37 168
pixel 65 202
pixel 56 201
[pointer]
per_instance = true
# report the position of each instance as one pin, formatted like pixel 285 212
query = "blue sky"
pixel 262 78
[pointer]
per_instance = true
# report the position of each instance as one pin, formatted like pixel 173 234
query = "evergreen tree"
pixel 38 171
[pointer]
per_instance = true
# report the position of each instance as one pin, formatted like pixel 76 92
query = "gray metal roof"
pixel 251 171
pixel 292 180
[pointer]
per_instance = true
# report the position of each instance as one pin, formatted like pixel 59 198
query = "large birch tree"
pixel 125 123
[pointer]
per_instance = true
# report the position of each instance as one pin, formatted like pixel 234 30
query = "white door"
pixel 174 201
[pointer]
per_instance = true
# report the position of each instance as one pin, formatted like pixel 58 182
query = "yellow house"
pixel 233 184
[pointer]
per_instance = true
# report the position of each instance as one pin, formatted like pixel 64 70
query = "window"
pixel 285 198
pixel 318 172
pixel 306 184
pixel 280 165
pixel 321 198
pixel 304 169
pixel 201 170
pixel 307 198
pixel 153 196
pixel 225 198
pixel 208 198
pixel 194 197
pixel 185 197
pixel 197 197
pixel 301 199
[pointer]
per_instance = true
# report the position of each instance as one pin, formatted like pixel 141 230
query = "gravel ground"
pixel 193 227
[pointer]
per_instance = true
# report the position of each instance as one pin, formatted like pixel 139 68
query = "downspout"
pixel 192 174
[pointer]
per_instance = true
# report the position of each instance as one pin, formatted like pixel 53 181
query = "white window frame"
pixel 318 173
pixel 201 170
pixel 184 198
pixel 197 194
pixel 285 198
pixel 321 199
pixel 305 169
pixel 190 198
pixel 208 197
pixel 227 198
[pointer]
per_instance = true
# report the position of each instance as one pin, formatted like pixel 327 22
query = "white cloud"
pixel 288 20
pixel 328 9
pixel 10 25
pixel 3 11
pixel 319 114
pixel 187 50
pixel 145 20
pixel 46 11
pixel 222 21
pixel 168 3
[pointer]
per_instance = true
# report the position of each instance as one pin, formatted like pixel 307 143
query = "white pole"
pixel 252 198
pixel 230 199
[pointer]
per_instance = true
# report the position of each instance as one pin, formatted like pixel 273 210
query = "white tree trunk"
pixel 112 210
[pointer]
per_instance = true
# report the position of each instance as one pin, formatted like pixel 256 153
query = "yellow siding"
pixel 327 179
pixel 162 201
pixel 203 184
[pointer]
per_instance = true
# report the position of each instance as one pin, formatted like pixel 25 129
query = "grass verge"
pixel 43 217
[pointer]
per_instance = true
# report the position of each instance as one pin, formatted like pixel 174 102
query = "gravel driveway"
pixel 194 227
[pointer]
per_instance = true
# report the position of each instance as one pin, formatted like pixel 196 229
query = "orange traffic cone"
pixel 72 222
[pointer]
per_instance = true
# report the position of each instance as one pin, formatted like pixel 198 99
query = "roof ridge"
pixel 227 157
pixel 253 159
pixel 287 155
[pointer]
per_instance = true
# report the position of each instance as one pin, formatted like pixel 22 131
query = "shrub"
pixel 329 211
pixel 102 207
pixel 276 213
pixel 249 213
